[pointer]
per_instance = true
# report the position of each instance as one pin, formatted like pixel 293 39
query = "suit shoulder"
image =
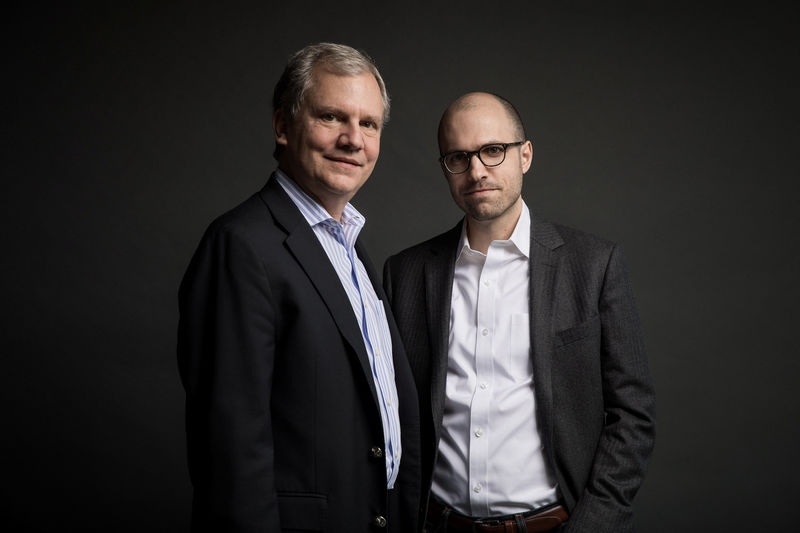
pixel 441 243
pixel 250 221
pixel 248 213
pixel 583 240
pixel 587 249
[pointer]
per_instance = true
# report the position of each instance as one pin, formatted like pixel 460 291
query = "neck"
pixel 333 204
pixel 481 233
pixel 334 211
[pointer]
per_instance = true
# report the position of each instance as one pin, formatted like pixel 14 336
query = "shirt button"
pixel 484 385
pixel 487 283
pixel 484 332
pixel 477 487
pixel 479 432
pixel 379 521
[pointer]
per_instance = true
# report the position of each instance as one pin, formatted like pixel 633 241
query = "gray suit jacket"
pixel 594 395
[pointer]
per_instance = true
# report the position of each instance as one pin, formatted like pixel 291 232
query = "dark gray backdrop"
pixel 671 128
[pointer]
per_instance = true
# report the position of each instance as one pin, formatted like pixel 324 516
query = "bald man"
pixel 525 344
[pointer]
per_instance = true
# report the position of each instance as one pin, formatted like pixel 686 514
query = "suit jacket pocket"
pixel 302 511
pixel 585 329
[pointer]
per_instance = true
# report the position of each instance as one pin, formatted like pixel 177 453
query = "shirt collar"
pixel 313 212
pixel 520 237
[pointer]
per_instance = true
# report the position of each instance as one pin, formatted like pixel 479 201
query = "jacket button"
pixel 376 452
pixel 379 521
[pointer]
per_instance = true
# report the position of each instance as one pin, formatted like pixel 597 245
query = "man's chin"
pixel 482 215
pixel 344 183
pixel 480 211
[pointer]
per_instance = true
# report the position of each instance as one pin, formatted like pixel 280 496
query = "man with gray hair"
pixel 301 412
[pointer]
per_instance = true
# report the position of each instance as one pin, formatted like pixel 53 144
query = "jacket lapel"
pixel 439 269
pixel 544 267
pixel 305 247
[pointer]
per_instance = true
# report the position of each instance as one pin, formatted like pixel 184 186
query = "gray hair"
pixel 298 76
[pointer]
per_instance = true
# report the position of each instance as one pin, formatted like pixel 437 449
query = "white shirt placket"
pixel 482 395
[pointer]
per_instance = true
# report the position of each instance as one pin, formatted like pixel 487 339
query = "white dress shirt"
pixel 490 458
pixel 339 239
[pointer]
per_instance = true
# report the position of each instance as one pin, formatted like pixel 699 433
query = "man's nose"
pixel 476 170
pixel 351 136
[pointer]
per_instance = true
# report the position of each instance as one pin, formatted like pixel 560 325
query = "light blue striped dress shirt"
pixel 338 240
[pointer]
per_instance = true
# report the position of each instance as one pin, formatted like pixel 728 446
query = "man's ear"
pixel 526 154
pixel 280 125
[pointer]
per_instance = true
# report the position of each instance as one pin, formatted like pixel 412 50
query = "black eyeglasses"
pixel 490 155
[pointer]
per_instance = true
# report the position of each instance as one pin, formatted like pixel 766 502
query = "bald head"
pixel 476 101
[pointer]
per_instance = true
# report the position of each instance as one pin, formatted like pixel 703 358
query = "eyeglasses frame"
pixel 478 154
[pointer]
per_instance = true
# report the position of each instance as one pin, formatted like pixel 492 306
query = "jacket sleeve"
pixel 226 350
pixel 627 438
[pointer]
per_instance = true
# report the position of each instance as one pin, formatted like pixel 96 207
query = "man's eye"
pixel 492 150
pixel 328 117
pixel 369 124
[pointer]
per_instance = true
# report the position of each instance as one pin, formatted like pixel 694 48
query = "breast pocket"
pixel 585 330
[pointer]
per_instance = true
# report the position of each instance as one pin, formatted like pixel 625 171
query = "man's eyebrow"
pixel 327 109
pixel 372 118
pixel 339 112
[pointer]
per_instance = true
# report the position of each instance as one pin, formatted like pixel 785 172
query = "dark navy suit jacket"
pixel 282 419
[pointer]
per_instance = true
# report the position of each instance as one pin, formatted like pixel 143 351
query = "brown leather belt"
pixel 446 520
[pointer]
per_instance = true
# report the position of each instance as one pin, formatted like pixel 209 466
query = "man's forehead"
pixel 329 88
pixel 324 79
pixel 479 110
pixel 477 124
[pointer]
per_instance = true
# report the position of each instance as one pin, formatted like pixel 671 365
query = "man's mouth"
pixel 480 191
pixel 344 160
